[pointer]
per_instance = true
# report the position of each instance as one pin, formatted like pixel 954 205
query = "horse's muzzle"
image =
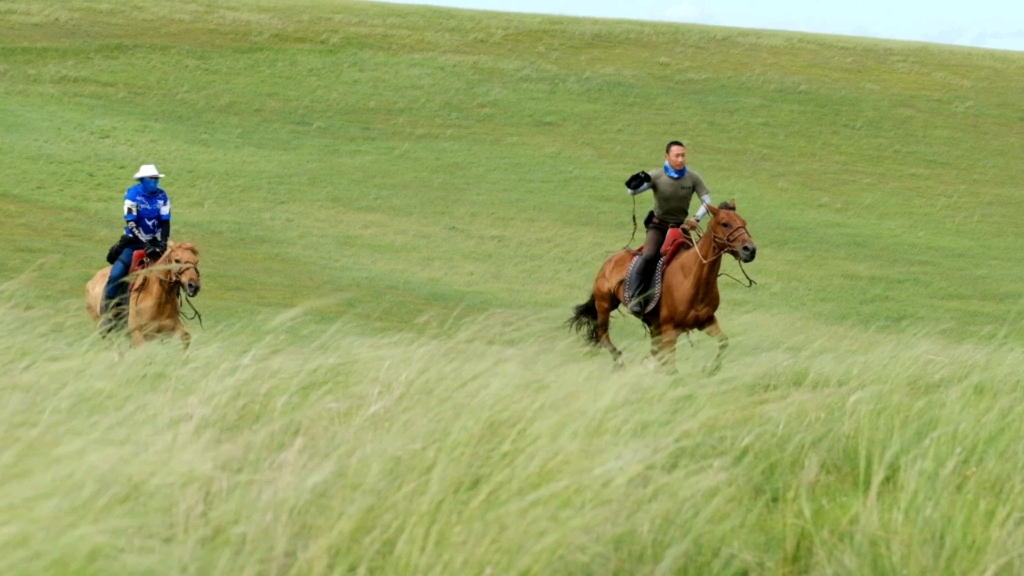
pixel 192 288
pixel 748 252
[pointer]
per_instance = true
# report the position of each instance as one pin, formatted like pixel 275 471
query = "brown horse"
pixel 689 296
pixel 154 305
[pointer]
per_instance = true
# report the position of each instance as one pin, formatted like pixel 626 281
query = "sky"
pixel 981 23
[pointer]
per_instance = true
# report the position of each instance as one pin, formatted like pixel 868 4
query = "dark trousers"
pixel 652 244
pixel 649 258
pixel 115 287
pixel 640 282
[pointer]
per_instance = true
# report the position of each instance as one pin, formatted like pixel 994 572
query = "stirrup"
pixel 113 317
pixel 637 307
pixel 638 303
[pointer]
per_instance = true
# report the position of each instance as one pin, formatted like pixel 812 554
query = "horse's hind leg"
pixel 606 304
pixel 715 331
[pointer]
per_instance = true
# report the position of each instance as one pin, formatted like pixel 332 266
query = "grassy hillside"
pixel 353 152
pixel 397 207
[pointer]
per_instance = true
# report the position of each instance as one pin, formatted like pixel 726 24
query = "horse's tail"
pixel 584 320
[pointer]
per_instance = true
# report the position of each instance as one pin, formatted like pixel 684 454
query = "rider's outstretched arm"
pixel 643 188
pixel 637 183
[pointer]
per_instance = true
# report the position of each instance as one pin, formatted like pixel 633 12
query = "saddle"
pixel 675 242
pixel 139 263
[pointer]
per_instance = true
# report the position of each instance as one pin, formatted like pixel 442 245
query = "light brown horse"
pixel 689 296
pixel 154 305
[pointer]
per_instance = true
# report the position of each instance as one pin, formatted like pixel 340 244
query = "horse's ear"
pixel 170 245
pixel 186 245
pixel 711 209
pixel 732 205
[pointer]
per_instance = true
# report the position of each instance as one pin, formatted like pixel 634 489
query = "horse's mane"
pixel 727 206
pixel 186 245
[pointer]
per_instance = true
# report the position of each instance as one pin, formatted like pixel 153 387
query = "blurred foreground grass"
pixel 337 452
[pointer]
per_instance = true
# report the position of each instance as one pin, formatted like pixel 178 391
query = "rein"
pixel 714 244
pixel 715 240
pixel 181 311
pixel 184 295
pixel 633 235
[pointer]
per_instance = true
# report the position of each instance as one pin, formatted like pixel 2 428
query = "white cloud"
pixel 684 12
pixel 998 39
pixel 1004 40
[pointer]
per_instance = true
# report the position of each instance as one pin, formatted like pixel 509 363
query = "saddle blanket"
pixel 655 293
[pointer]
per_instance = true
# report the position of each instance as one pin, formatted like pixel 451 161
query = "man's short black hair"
pixel 673 143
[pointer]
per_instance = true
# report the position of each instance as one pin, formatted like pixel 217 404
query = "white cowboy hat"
pixel 148 171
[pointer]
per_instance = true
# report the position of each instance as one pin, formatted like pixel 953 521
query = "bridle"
pixel 182 267
pixel 727 242
pixel 723 243
pixel 183 294
pixel 175 280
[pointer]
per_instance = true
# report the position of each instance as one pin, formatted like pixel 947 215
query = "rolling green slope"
pixel 357 153
pixel 397 207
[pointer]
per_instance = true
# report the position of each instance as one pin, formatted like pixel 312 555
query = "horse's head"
pixel 729 232
pixel 183 262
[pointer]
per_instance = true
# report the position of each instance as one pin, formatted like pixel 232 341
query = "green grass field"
pixel 398 207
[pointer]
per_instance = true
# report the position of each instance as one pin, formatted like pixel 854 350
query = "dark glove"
pixel 154 250
pixel 637 180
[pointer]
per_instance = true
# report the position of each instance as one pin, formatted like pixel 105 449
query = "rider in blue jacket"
pixel 147 214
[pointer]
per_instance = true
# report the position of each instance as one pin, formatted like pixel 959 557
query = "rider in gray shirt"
pixel 673 186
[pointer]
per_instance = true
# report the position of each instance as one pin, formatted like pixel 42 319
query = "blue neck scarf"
pixel 672 173
pixel 149 185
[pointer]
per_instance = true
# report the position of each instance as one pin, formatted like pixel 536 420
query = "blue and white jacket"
pixel 147 211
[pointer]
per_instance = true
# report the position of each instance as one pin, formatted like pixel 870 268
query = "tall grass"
pixel 337 452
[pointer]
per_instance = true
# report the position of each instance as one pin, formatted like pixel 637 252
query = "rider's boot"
pixel 640 284
pixel 112 315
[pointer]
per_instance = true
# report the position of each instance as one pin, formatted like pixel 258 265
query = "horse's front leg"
pixel 655 339
pixel 186 338
pixel 667 352
pixel 655 343
pixel 715 331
